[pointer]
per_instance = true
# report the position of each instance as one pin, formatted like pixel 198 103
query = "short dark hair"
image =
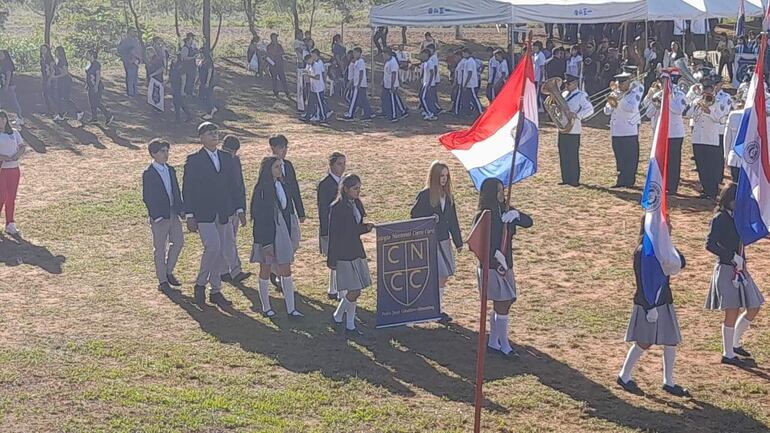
pixel 157 144
pixel 335 156
pixel 231 142
pixel 206 127
pixel 278 141
pixel 357 49
pixel 727 195
pixel 316 51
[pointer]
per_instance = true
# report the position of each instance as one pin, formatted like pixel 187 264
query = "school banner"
pixel 407 272
pixel 155 94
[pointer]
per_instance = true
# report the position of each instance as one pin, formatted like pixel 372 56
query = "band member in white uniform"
pixel 359 98
pixel 732 287
pixel 705 138
pixel 731 131
pixel 624 128
pixel 498 74
pixel 501 287
pixel 328 189
pixel 437 199
pixel 676 132
pixel 580 108
pixel 724 100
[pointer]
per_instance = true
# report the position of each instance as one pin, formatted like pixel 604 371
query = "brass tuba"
pixel 556 106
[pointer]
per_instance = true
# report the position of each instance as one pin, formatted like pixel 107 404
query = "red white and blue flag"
pixel 752 200
pixel 659 257
pixel 487 149
pixel 740 25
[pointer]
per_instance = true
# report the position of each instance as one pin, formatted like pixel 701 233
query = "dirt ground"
pixel 87 343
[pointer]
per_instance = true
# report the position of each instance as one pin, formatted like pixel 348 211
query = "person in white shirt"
pixel 392 105
pixel 670 56
pixel 436 79
pixel 349 75
pixel 11 149
pixel 734 161
pixel 459 84
pixel 538 63
pixel 676 131
pixel 317 110
pixel 470 95
pixel 725 102
pixel 624 129
pixel 359 98
pixel 705 138
pixel 301 51
pixel 427 104
pixel 575 62
pixel 497 75
pixel 580 108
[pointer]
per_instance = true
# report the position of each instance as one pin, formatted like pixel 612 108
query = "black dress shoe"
pixel 616 186
pixel 332 296
pixel 200 295
pixel 677 391
pixel 562 183
pixel 172 280
pixel 240 277
pixel 219 299
pixel 353 332
pixel 276 282
pixel 735 361
pixel 226 278
pixel 629 386
pixel 165 287
pixel 741 351
pixel 445 319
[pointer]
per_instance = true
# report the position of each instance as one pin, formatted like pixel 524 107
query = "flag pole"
pixel 480 349
pixel 519 127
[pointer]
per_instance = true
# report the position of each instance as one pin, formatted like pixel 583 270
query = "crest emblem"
pixel 751 152
pixel 654 196
pixel 406 270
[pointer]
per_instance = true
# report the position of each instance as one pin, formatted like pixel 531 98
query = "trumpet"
pixel 702 104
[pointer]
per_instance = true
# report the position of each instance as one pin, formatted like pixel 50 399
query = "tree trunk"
pixel 403 35
pixel 342 30
pixel 219 29
pixel 312 16
pixel 176 23
pixel 207 26
pixel 248 8
pixel 49 10
pixel 139 35
pixel 458 32
pixel 295 16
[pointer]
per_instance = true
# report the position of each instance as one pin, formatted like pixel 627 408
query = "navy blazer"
pixel 210 195
pixel 345 232
pixel 155 196
pixel 447 217
pixel 292 187
pixel 496 235
pixel 327 192
pixel 723 240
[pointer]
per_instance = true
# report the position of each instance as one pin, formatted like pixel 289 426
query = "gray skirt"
pixel 284 245
pixel 353 275
pixel 446 259
pixel 323 245
pixel 499 287
pixel 723 294
pixel 663 332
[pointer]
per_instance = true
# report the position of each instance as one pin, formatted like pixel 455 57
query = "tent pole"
pixel 371 66
pixel 510 43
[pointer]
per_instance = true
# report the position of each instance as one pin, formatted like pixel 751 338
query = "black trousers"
pixel 180 105
pixel 95 101
pixel 569 158
pixel 722 152
pixel 674 164
pixel 278 74
pixel 626 151
pixel 735 173
pixel 708 163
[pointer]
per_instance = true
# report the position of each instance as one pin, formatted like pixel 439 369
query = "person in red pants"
pixel 11 149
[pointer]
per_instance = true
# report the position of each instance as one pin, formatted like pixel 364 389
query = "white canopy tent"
pixel 440 13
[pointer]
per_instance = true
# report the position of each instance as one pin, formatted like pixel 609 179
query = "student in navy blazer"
pixel 160 193
pixel 211 193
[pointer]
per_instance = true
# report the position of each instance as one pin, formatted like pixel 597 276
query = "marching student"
pixel 705 138
pixel 725 102
pixel 359 99
pixel 349 72
pixel 275 64
pixel 676 131
pixel 317 110
pixel 206 90
pixel 161 196
pixel 232 271
pixel 470 95
pixel 624 128
pixel 437 199
pixel 210 191
pixel 275 233
pixel 328 189
pixel 732 287
pixel 392 105
pixel 652 324
pixel 458 90
pixel 427 105
pixel 580 108
pixel 64 86
pixel 346 254
pixel 501 287
pixel 498 74
pixel 176 77
pixel 95 88
pixel 432 49
pixel 12 148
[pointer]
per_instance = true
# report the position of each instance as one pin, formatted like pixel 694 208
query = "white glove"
pixel 652 315
pixel 510 216
pixel 501 260
pixel 739 262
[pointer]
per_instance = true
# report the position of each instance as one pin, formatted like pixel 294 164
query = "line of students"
pixel 212 200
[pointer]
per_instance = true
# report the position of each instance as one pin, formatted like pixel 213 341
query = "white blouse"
pixel 279 191
pixel 9 145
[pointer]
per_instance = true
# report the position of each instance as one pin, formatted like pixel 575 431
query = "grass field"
pixel 87 343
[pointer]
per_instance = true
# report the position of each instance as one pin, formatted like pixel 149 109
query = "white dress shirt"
pixel 281 194
pixel 471 72
pixel 165 176
pixel 9 145
pixel 214 158
pixel 434 64
pixel 391 67
pixel 676 108
pixel 624 120
pixel 578 103
pixel 706 126
pixel 359 80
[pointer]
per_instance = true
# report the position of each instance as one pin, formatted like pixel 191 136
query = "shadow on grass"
pixel 439 360
pixel 16 251
pixel 681 202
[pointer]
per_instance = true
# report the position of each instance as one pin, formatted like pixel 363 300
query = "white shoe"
pixel 207 116
pixel 11 229
pixel 214 111
pixel 20 121
pixel 79 116
pixel 57 118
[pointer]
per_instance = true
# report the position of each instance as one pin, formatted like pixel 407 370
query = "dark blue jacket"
pixel 210 195
pixel 155 197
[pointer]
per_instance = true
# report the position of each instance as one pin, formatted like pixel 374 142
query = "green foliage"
pixel 24 50
pixel 91 24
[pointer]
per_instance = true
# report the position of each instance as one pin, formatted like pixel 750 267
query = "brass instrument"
pixel 706 101
pixel 654 98
pixel 616 94
pixel 556 106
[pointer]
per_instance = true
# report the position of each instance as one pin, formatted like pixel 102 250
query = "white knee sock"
pixel 264 297
pixel 634 353
pixel 493 340
pixel 351 318
pixel 332 282
pixel 669 357
pixel 440 299
pixel 741 326
pixel 342 308
pixel 288 293
pixel 502 333
pixel 728 337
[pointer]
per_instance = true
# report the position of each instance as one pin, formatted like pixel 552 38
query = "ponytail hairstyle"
pixel 727 196
pixel 349 181
pixel 433 183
